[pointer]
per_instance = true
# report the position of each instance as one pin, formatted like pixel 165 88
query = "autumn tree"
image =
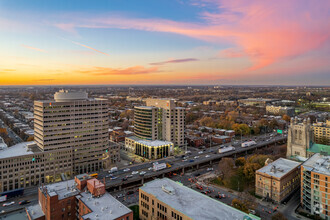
pixel 286 118
pixel 240 161
pixel 240 205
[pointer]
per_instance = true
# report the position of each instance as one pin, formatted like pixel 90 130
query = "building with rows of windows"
pixel 71 137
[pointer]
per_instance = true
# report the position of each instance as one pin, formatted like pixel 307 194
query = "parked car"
pixel 196 157
pixel 207 156
pixel 184 160
pixel 191 161
pixel 113 177
pixel 218 197
pixel 126 169
pixel 129 176
pixel 142 173
pixel 150 168
pixel 8 204
pixel 135 172
pixel 23 202
pixel 200 152
pixel 209 169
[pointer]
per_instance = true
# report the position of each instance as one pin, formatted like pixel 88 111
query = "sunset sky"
pixel 255 42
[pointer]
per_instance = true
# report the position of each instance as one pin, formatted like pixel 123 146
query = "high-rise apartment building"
pixel 170 120
pixel 315 185
pixel 147 122
pixel 72 120
pixel 71 137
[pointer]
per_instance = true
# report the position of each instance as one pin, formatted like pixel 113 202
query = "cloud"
pixel 104 71
pixel 33 48
pixel 8 70
pixel 175 61
pixel 91 48
pixel 265 32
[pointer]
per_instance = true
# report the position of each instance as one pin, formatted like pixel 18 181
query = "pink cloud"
pixel 264 31
pixel 91 48
pixel 33 48
pixel 134 70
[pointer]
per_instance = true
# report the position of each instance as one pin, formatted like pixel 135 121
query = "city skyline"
pixel 164 42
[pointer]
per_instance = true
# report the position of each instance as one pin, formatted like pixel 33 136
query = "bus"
pixel 95 175
pixel 12 193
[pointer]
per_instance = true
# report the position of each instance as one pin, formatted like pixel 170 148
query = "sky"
pixel 179 42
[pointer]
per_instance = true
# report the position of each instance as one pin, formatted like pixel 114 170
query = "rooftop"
pixel 62 189
pixel 320 148
pixel 35 211
pixel 318 163
pixel 20 149
pixel 154 143
pixel 103 208
pixel 190 202
pixel 279 167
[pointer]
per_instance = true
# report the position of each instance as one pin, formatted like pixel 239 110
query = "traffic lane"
pixel 16 206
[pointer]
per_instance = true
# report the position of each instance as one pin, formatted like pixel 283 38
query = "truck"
pixel 159 166
pixel 248 143
pixel 13 193
pixel 226 149
pixel 113 170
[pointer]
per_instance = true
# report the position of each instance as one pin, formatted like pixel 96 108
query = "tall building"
pixel 71 137
pixel 278 180
pixel 315 185
pixel 72 120
pixel 166 199
pixel 82 198
pixel 147 122
pixel 171 120
pixel 321 133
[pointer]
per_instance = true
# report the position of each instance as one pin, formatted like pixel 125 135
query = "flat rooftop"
pixel 190 202
pixel 318 163
pixel 35 211
pixel 154 143
pixel 17 150
pixel 279 167
pixel 103 208
pixel 62 189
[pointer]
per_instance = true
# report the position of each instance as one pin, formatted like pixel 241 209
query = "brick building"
pixel 82 198
pixel 278 180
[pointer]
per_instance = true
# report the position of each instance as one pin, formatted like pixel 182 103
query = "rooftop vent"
pixel 168 189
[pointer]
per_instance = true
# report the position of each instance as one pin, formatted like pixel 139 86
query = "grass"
pixel 135 209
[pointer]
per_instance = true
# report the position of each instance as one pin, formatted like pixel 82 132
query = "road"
pixel 176 162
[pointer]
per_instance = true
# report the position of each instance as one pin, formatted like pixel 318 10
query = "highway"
pixel 195 159
pixel 125 179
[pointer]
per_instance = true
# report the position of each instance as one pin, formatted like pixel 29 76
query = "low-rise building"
pixel 321 132
pixel 149 149
pixel 278 180
pixel 315 185
pixel 166 199
pixel 280 110
pixel 219 139
pixel 82 198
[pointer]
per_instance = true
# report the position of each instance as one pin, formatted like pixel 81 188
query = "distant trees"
pixel 286 118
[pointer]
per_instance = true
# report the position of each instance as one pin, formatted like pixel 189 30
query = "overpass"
pixel 177 165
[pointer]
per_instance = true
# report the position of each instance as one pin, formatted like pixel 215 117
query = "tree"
pixel 226 166
pixel 240 161
pixel 279 216
pixel 238 204
pixel 286 118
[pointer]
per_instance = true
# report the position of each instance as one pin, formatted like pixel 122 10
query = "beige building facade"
pixel 278 180
pixel 299 138
pixel 171 120
pixel 321 133
pixel 72 120
pixel 71 137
